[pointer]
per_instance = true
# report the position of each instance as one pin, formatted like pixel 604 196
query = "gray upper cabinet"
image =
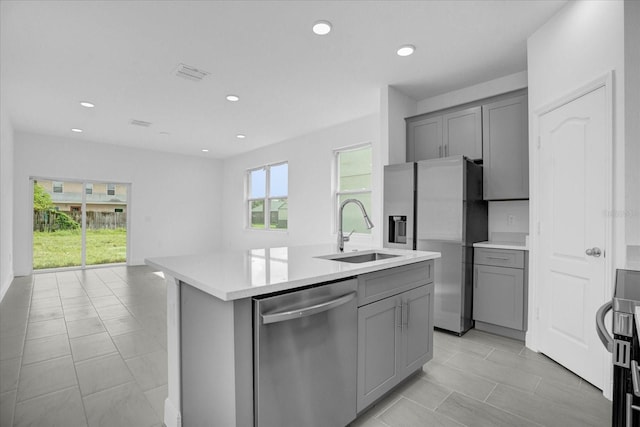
pixel 442 135
pixel 424 138
pixel 506 149
pixel 462 133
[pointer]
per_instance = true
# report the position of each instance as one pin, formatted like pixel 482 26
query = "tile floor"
pixel 88 348
pixel 84 348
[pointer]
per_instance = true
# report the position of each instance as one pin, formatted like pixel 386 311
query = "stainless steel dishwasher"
pixel 305 350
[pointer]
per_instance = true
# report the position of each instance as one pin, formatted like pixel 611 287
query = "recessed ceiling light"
pixel 322 28
pixel 406 50
pixel 204 150
pixel 87 104
pixel 233 98
pixel 76 130
pixel 241 136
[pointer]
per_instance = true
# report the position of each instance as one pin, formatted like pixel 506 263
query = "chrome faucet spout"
pixel 341 237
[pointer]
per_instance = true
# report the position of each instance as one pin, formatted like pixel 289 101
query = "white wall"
pixel 311 205
pixel 482 90
pixel 580 44
pixel 395 106
pixel 174 206
pixel 509 216
pixel 6 203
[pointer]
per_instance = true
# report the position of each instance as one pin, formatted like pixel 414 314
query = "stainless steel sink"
pixel 359 258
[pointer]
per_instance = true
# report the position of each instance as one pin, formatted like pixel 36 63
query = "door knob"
pixel 594 252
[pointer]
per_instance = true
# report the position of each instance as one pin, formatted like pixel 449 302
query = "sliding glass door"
pixel 79 224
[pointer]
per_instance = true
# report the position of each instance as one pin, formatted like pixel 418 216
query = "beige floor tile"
pixel 61 408
pixel 79 328
pixel 90 346
pixel 46 377
pixel 9 371
pixel 125 405
pixel 149 370
pixel 46 348
pixel 46 328
pixel 406 413
pixel 101 373
pixel 473 413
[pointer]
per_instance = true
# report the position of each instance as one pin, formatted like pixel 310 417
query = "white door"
pixel 574 192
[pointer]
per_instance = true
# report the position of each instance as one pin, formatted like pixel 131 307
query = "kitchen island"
pixel 210 319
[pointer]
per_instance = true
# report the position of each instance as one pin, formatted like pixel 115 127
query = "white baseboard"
pixel 172 417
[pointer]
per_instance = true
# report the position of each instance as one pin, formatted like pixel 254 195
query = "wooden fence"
pixel 49 221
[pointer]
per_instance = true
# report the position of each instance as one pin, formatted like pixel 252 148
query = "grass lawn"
pixel 62 248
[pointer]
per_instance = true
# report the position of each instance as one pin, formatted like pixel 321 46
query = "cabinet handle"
pixel 408 314
pixel 440 151
pixel 495 257
pixel 399 316
pixel 405 314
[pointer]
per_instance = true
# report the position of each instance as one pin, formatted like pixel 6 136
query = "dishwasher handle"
pixel 603 334
pixel 282 316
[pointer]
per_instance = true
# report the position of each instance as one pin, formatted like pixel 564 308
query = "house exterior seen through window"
pixel 111 189
pixel 353 181
pixel 267 197
pixel 58 187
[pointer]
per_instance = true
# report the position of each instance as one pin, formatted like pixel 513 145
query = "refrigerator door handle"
pixel 601 329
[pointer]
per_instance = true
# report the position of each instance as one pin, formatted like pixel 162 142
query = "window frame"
pixel 336 179
pixel 266 199
pixel 88 188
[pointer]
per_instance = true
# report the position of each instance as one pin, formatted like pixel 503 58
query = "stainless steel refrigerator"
pixel 436 205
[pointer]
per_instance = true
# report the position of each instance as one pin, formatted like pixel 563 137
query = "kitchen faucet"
pixel 341 237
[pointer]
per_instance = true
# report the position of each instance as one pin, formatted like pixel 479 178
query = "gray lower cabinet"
pixel 395 338
pixel 499 288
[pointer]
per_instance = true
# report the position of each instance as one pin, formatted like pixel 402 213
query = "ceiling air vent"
pixel 191 73
pixel 140 123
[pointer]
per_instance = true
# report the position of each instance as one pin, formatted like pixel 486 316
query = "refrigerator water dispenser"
pixel 397 229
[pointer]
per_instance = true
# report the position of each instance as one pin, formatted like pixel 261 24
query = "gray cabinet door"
pixel 417 324
pixel 506 149
pixel 424 139
pixel 379 335
pixel 462 133
pixel 498 296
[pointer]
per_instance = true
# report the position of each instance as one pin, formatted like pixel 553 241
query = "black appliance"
pixel 624 347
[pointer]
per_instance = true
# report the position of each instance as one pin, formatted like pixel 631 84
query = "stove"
pixel 624 347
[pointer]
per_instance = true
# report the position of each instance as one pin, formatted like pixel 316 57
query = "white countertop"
pixel 230 275
pixel 493 244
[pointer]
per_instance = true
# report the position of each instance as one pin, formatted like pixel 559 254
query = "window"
pixel 88 188
pixel 353 181
pixel 57 187
pixel 267 192
pixel 111 189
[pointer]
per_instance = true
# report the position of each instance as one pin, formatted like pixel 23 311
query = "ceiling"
pixel 122 56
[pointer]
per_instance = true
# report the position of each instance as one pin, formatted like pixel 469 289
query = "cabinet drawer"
pixel 385 283
pixel 499 257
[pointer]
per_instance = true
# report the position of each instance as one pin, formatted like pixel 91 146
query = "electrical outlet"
pixel 510 219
